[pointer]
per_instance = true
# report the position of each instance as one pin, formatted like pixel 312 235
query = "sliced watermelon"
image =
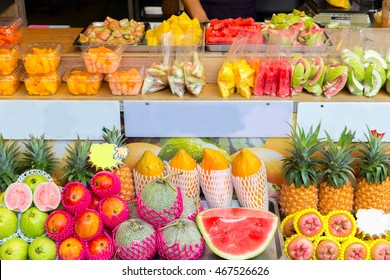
pixel 236 233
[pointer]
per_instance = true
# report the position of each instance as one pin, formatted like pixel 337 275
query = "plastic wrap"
pixel 156 77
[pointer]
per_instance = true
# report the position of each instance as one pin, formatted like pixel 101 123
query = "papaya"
pixel 183 161
pixel 149 164
pixel 213 160
pixel 245 164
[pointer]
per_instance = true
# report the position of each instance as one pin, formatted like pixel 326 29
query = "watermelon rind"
pixel 245 212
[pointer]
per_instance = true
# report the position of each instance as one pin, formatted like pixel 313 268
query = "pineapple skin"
pixel 333 198
pixel 125 176
pixel 372 196
pixel 293 199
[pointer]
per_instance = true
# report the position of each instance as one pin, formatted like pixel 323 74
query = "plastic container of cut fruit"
pixel 102 58
pixel 126 80
pixel 82 82
pixel 9 84
pixel 11 30
pixel 41 58
pixel 43 84
pixel 9 56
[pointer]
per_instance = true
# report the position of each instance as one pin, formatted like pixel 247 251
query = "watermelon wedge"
pixel 236 233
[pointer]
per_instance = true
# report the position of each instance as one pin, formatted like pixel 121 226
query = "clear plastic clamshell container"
pixel 11 30
pixel 126 80
pixel 41 58
pixel 43 84
pixel 9 56
pixel 9 84
pixel 82 82
pixel 102 58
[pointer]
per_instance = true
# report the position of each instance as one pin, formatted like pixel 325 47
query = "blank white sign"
pixel 334 116
pixel 207 118
pixel 58 120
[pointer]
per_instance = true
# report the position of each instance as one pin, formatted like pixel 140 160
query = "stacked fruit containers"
pixel 10 36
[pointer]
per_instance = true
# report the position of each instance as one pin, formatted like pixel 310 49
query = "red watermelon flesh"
pixel 237 233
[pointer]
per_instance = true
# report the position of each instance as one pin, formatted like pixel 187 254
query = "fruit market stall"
pixel 217 139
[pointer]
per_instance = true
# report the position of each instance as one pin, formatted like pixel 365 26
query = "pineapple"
pixel 300 190
pixel 10 168
pixel 336 191
pixel 77 167
pixel 373 187
pixel 115 136
pixel 38 155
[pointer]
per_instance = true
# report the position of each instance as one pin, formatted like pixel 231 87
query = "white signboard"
pixel 207 118
pixel 58 120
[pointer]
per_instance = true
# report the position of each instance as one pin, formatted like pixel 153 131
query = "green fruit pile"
pixel 368 71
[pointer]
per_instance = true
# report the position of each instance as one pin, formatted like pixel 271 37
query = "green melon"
pixel 237 233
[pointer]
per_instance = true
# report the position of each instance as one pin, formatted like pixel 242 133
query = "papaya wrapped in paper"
pixel 156 78
pixel 243 77
pixel 176 79
pixel 194 75
pixel 225 80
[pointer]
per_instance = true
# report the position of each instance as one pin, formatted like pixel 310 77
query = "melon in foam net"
pixel 237 233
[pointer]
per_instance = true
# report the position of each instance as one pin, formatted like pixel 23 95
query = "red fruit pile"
pixel 83 229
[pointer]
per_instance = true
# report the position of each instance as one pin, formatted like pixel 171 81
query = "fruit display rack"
pixel 75 113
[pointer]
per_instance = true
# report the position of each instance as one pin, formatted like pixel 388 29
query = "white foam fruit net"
pixel 140 181
pixel 252 191
pixel 188 181
pixel 217 187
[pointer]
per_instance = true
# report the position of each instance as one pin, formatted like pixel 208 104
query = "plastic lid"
pixel 32 48
pixel 15 75
pixel 102 49
pixel 133 74
pixel 9 24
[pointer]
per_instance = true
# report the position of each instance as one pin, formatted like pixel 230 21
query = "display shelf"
pixel 209 92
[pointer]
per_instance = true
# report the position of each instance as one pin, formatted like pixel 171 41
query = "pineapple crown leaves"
pixel 374 160
pixel 10 167
pixel 337 159
pixel 38 155
pixel 301 168
pixel 77 167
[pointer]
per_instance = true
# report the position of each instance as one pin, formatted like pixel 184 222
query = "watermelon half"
pixel 237 233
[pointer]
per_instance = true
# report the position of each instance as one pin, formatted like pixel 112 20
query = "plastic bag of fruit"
pixel 237 72
pixel 156 77
pixel 194 74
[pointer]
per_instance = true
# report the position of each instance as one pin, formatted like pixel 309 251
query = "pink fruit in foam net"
pixel 327 249
pixel 160 203
pixel 88 224
pixel 135 239
pixel 380 250
pixel 59 225
pixel 180 240
pixel 299 247
pixel 113 211
pixel 47 196
pixel 75 197
pixel 100 248
pixel 309 222
pixel 105 184
pixel 18 197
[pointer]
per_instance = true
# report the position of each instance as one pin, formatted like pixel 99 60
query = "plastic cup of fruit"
pixel 41 58
pixel 81 82
pixel 102 58
pixel 125 80
pixel 42 84
pixel 9 56
pixel 9 84
pixel 11 30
